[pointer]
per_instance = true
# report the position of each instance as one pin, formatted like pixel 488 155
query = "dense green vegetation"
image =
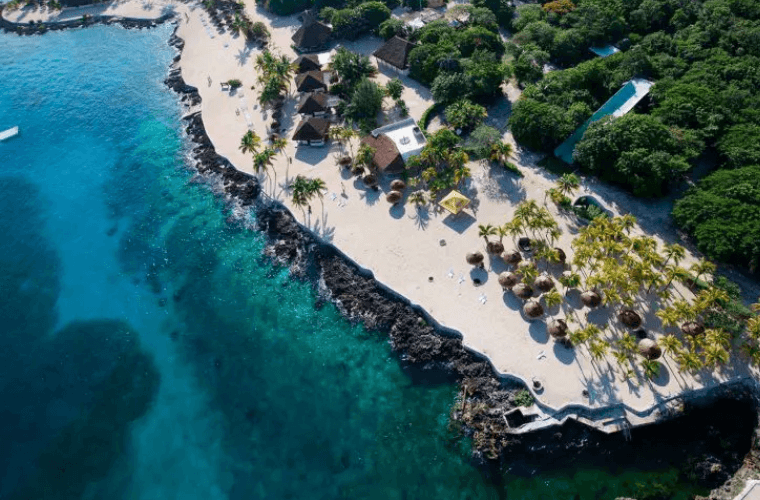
pixel 704 57
pixel 352 22
pixel 723 214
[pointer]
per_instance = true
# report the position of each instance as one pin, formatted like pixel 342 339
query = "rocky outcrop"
pixel 39 28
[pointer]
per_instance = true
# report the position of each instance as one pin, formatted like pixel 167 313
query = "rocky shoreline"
pixel 711 448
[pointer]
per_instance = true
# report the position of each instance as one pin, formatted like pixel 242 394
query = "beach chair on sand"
pixel 225 87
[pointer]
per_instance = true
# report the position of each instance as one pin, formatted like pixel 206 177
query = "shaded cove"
pixel 150 351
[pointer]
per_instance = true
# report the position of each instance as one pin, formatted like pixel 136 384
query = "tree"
pixel 263 161
pixel 365 155
pixel 484 231
pixel 539 125
pixel 464 114
pixel 723 215
pixel 635 151
pixel 366 101
pixel 448 87
pixel 390 28
pixel 568 183
pixel 250 142
pixel 350 67
pixel 674 252
pixel 529 67
pixel 701 268
pixel 317 187
pixel 481 140
pixel 394 89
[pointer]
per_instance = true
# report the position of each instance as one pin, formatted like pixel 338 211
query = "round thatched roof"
pixel 533 309
pixel 344 160
pixel 508 280
pixel 512 257
pixel 557 328
pixel 494 247
pixel 591 298
pixel 474 258
pixel 562 255
pixel 629 318
pixel 370 180
pixel 544 283
pixel 393 197
pixel 398 185
pixel 524 244
pixel 692 328
pixel 649 349
pixel 523 291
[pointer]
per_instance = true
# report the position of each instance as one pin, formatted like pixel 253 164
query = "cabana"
pixel 454 202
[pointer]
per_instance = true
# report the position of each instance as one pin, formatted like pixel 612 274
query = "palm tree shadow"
pixel 324 231
pixel 421 217
pixel 369 195
pixel 243 55
pixel 564 354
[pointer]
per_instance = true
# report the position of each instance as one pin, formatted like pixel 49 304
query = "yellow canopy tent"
pixel 454 202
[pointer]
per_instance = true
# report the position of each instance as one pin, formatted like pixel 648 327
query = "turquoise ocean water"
pixel 148 352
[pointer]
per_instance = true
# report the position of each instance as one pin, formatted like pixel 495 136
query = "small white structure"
pixel 7 134
pixel 406 135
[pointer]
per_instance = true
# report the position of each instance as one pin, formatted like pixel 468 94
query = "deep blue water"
pixel 146 350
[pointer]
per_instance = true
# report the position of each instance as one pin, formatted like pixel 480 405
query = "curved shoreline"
pixel 413 333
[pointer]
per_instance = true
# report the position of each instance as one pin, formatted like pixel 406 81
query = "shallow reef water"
pixel 148 351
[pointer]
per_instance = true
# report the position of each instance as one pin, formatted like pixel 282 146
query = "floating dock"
pixel 7 134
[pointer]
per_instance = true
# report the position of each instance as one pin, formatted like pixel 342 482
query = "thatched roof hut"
pixel 649 349
pixel 507 280
pixel 474 258
pixel 590 298
pixel 523 291
pixel 311 36
pixel 387 157
pixel 693 328
pixel 557 328
pixel 393 197
pixel 533 309
pixel 395 52
pixel 398 185
pixel 629 318
pixel 512 257
pixel 544 283
pixel 494 247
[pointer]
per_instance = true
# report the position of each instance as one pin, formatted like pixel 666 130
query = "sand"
pixel 419 253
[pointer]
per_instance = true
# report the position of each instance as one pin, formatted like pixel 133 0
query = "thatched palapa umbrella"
pixel 370 180
pixel 393 197
pixel 629 318
pixel 693 328
pixel 398 185
pixel 523 291
pixel 524 244
pixel 344 161
pixel 544 283
pixel 557 328
pixel 474 258
pixel 649 349
pixel 533 309
pixel 512 257
pixel 591 298
pixel 561 254
pixel 508 280
pixel 494 247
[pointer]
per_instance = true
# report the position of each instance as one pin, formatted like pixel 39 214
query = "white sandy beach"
pixel 403 245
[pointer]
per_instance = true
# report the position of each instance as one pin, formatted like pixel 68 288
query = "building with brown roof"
pixel 394 54
pixel 311 81
pixel 387 157
pixel 307 62
pixel 312 36
pixel 312 131
pixel 315 104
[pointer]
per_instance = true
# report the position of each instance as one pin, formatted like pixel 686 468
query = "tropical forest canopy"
pixel 704 57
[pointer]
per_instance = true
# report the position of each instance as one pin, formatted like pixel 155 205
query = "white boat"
pixel 7 134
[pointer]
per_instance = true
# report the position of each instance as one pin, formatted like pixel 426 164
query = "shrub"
pixel 427 115
pixel 464 114
pixel 449 87
pixel 481 140
pixel 523 398
pixel 391 27
pixel 539 125
pixel 234 83
pixel 366 101
pixel 394 88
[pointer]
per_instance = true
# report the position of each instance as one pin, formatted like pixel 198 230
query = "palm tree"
pixel 669 316
pixel 674 252
pixel 702 267
pixel 317 187
pixel 689 361
pixel 299 191
pixel 710 297
pixel 568 183
pixel 461 174
pixel 250 142
pixel 670 344
pixel 672 272
pixel 263 161
pixel 484 231
pixel 500 152
pixel 716 355
pixel 651 368
pixel 597 348
pixel 552 298
pixel 365 155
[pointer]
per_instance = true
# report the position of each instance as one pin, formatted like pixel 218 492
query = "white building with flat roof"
pixel 406 135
